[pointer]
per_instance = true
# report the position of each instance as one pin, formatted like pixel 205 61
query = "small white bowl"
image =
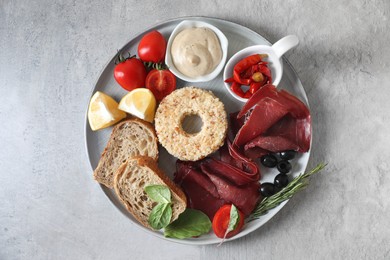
pixel 274 59
pixel 191 24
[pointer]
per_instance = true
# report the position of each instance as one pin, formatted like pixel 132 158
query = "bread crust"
pixel 160 178
pixel 100 173
pixel 180 104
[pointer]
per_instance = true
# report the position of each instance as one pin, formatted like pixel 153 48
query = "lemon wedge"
pixel 139 102
pixel 103 111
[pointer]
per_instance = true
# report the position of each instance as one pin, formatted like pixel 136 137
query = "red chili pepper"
pixel 236 88
pixel 242 66
pixel 255 86
pixel 229 80
pixel 247 94
pixel 247 73
pixel 265 70
pixel 239 79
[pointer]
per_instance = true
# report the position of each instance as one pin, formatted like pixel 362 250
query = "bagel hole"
pixel 192 124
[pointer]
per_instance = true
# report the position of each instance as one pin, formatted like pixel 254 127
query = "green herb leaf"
pixel 190 223
pixel 234 219
pixel 160 216
pixel 297 184
pixel 158 193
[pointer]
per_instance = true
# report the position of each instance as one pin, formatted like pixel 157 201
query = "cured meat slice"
pixel 295 107
pixel 265 91
pixel 255 152
pixel 189 172
pixel 235 123
pixel 208 187
pixel 198 198
pixel 235 175
pixel 264 115
pixel 244 198
pixel 297 131
pixel 201 192
pixel 275 121
pixel 231 155
pixel 272 144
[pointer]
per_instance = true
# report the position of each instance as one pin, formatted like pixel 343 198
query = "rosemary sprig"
pixel 297 184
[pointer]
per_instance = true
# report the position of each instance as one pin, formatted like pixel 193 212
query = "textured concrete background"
pixel 51 53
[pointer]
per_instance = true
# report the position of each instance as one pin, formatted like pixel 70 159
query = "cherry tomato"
pixel 161 83
pixel 130 73
pixel 152 47
pixel 221 221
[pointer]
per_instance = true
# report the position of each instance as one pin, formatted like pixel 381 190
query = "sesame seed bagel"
pixel 178 105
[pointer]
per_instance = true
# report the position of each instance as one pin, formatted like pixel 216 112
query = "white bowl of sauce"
pixel 196 51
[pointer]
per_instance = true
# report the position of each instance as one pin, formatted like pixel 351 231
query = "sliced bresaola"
pixel 287 134
pixel 200 191
pixel 275 121
pixel 272 144
pixel 198 198
pixel 293 129
pixel 190 171
pixel 230 154
pixel 292 104
pixel 207 188
pixel 251 153
pixel 235 123
pixel 255 152
pixel 244 198
pixel 211 166
pixel 265 114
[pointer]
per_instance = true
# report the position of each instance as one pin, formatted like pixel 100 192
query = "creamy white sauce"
pixel 196 51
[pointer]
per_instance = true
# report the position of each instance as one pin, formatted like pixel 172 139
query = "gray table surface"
pixel 51 53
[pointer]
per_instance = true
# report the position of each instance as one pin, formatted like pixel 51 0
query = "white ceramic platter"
pixel 239 37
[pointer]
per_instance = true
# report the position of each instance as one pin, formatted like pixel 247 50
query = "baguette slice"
pixel 130 181
pixel 129 138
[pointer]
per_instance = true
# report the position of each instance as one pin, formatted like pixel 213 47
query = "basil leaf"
pixel 189 224
pixel 158 193
pixel 234 219
pixel 233 222
pixel 160 216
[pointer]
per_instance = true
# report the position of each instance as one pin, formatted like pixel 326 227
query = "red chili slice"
pixel 243 65
pixel 229 80
pixel 236 88
pixel 255 86
pixel 265 70
pixel 247 95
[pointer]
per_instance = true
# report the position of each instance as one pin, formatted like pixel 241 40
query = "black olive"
pixel 287 155
pixel 281 180
pixel 269 160
pixel 283 166
pixel 267 189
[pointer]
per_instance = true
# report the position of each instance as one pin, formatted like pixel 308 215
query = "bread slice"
pixel 129 138
pixel 130 181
